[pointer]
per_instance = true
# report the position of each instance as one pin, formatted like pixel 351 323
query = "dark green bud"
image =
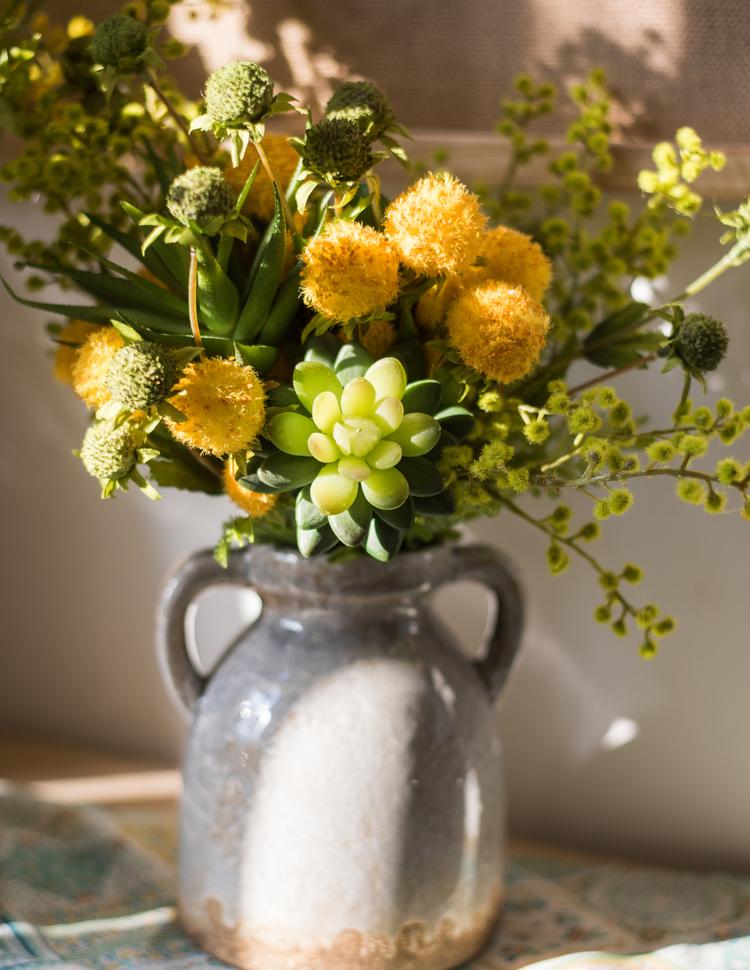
pixel 337 150
pixel 238 94
pixel 141 374
pixel 200 195
pixel 117 39
pixel 702 342
pixel 108 452
pixel 363 103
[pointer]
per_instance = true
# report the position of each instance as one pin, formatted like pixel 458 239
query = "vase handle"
pixel 197 573
pixel 487 566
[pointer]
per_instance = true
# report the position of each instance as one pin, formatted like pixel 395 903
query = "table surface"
pixel 94 887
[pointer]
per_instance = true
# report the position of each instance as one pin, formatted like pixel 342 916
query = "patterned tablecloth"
pixel 88 888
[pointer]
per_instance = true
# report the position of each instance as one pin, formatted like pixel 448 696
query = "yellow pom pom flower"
pixel 282 158
pixel 350 270
pixel 436 225
pixel 73 333
pixel 497 329
pixel 256 504
pixel 514 258
pixel 223 404
pixel 92 360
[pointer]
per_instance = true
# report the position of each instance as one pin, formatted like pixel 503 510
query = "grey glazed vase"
pixel 343 793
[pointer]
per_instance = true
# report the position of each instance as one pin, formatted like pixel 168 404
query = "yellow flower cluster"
pixel 436 225
pixel 505 254
pixel 223 404
pixel 73 333
pixel 350 270
pixel 89 368
pixel 256 504
pixel 497 329
pixel 283 160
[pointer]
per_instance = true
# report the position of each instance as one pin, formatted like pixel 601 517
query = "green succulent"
pixel 363 103
pixel 359 444
pixel 141 374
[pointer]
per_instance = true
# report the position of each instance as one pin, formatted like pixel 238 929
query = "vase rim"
pixel 274 568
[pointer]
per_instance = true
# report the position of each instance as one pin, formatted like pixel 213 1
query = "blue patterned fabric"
pixel 76 892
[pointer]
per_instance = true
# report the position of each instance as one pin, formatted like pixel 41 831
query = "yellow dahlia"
pixel 92 360
pixel 514 258
pixel 350 270
pixel 256 504
pixel 436 225
pixel 223 403
pixel 74 332
pixel 282 158
pixel 498 329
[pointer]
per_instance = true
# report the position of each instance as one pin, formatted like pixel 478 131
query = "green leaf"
pixel 401 518
pixel 265 275
pixel 621 320
pixel 417 434
pixel 285 473
pixel 190 476
pixel 314 542
pixel 289 431
pixel 350 527
pixel 352 361
pixel 436 505
pixel 422 396
pixel 259 356
pixel 238 532
pixel 311 378
pixel 284 310
pixel 423 477
pixel 323 350
pixel 456 420
pixel 307 515
pixel 383 541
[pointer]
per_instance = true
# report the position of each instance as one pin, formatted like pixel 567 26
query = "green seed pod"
pixel 702 342
pixel 141 374
pixel 238 94
pixel 200 195
pixel 108 452
pixel 337 150
pixel 363 103
pixel 118 38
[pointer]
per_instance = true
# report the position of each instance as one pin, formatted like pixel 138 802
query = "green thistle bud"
pixel 200 195
pixel 108 452
pixel 238 94
pixel 363 103
pixel 702 342
pixel 118 39
pixel 337 151
pixel 141 374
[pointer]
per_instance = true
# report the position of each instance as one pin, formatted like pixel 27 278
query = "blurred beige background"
pixel 604 749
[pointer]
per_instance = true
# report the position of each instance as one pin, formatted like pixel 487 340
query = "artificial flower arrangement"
pixel 359 375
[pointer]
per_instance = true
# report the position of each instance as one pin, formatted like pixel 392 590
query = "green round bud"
pixel 702 342
pixel 108 452
pixel 141 374
pixel 337 150
pixel 118 38
pixel 238 94
pixel 200 195
pixel 363 103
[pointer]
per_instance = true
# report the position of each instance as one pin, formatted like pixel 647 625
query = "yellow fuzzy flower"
pixel 92 360
pixel 256 504
pixel 282 158
pixel 497 329
pixel 433 305
pixel 436 225
pixel 223 403
pixel 514 258
pixel 74 332
pixel 350 270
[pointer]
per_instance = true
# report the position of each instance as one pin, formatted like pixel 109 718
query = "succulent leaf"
pixel 417 434
pixel 331 492
pixel 383 541
pixel 387 489
pixel 422 396
pixel 312 378
pixel 388 377
pixel 290 431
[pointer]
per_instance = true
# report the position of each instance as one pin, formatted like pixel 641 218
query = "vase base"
pixel 416 946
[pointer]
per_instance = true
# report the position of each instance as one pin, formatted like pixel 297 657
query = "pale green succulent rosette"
pixel 353 443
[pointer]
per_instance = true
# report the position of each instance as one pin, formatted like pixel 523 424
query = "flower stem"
pixel 161 94
pixel 193 298
pixel 274 181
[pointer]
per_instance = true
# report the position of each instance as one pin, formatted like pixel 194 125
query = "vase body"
pixel 343 799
